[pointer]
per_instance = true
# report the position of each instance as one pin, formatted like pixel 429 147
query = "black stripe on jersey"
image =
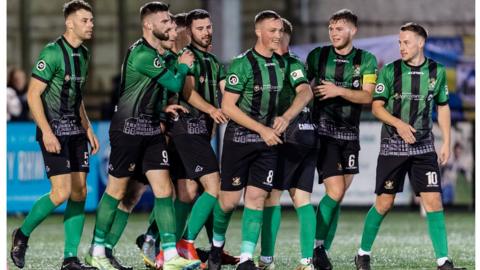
pixel 397 88
pixel 78 74
pixel 357 61
pixel 322 62
pixel 414 92
pixel 211 88
pixel 66 83
pixel 432 75
pixel 338 77
pixel 272 75
pixel 257 84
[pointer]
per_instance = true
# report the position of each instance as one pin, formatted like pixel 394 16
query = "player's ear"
pixel 69 22
pixel 353 30
pixel 258 32
pixel 421 42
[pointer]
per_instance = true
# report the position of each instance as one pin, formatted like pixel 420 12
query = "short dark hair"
pixel 152 7
pixel 196 14
pixel 287 26
pixel 75 5
pixel 416 28
pixel 344 14
pixel 266 14
pixel 180 19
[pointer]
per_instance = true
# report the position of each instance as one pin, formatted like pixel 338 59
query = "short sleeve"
pixel 369 72
pixel 47 64
pixel 236 77
pixel 312 64
pixel 149 64
pixel 296 73
pixel 441 88
pixel 384 87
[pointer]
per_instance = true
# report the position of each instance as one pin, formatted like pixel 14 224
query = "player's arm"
pixel 230 108
pixel 35 90
pixel 330 90
pixel 92 139
pixel 444 123
pixel 193 97
pixel 303 96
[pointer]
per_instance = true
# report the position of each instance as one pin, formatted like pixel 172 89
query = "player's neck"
pixel 153 41
pixel 262 50
pixel 282 50
pixel 198 47
pixel 72 39
pixel 345 50
pixel 417 60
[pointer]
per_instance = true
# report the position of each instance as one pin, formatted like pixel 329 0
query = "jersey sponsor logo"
pixel 338 60
pixel 408 96
pixel 236 181
pixel 157 63
pixel 270 64
pixel 415 73
pixel 297 74
pixel 41 65
pixel 233 79
pixel 380 88
pixel 388 184
pixel 306 126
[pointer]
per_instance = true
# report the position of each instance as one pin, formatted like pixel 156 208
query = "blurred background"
pixel 32 24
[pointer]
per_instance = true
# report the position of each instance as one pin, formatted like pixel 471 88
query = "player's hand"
pixel 327 90
pixel 444 154
pixel 174 108
pixel 162 127
pixel 406 131
pixel 218 116
pixel 270 136
pixel 187 58
pixel 280 124
pixel 51 143
pixel 92 139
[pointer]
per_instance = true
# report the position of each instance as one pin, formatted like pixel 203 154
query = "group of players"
pixel 283 120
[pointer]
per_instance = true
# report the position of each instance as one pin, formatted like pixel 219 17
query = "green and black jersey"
pixel 170 58
pixel 296 69
pixel 207 72
pixel 64 69
pixel 338 117
pixel 258 80
pixel 145 78
pixel 409 92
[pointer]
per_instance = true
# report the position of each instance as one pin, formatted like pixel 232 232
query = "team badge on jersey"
pixel 297 74
pixel 156 62
pixel 356 83
pixel 356 71
pixel 201 79
pixel 379 88
pixel 431 85
pixel 233 79
pixel 41 65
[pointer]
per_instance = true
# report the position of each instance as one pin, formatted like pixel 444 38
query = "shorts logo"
pixel 131 167
pixel 68 164
pixel 233 79
pixel 47 169
pixel 41 65
pixel 198 168
pixel 110 167
pixel 339 166
pixel 297 74
pixel 389 184
pixel 379 88
pixel 236 181
pixel 156 62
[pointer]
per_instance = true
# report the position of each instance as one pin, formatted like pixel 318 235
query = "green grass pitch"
pixel 402 243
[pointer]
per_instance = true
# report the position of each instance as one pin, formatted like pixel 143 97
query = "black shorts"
pixel 73 156
pixel 337 157
pixel 177 170
pixel 295 167
pixel 248 164
pixel 197 155
pixel 423 172
pixel 130 151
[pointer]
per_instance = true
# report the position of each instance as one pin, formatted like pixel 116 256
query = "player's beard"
pixel 201 42
pixel 160 35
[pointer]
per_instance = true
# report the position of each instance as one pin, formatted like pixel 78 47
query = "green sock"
pixel 182 211
pixel 306 216
pixel 105 213
pixel 271 224
pixel 370 229
pixel 325 211
pixel 165 218
pixel 40 210
pixel 332 230
pixel 200 212
pixel 251 227
pixel 209 227
pixel 73 220
pixel 221 220
pixel 118 226
pixel 438 233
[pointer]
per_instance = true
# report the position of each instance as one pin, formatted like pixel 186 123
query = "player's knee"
pixel 186 196
pixel 432 202
pixel 384 205
pixel 228 205
pixel 79 194
pixel 336 193
pixel 213 190
pixel 59 196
